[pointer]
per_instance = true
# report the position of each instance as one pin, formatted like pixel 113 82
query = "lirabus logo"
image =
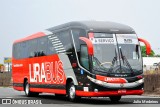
pixel 47 72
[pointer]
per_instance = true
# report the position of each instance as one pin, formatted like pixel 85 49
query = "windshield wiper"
pixel 113 62
pixel 124 59
pixel 115 58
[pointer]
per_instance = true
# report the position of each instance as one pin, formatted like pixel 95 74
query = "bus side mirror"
pixel 147 44
pixel 89 45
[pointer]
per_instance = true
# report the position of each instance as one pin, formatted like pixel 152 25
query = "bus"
pixel 80 59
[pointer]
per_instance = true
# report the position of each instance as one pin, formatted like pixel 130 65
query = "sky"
pixel 21 18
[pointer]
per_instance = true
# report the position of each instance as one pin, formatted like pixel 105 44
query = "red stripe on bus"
pixel 108 93
pixel 111 79
pixel 36 35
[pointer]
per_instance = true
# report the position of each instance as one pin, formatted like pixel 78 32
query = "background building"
pixel 151 63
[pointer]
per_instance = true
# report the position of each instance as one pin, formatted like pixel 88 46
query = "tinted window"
pixel 15 51
pixel 76 34
pixel 19 50
pixel 56 43
pixel 23 50
pixel 65 38
pixel 32 47
pixel 42 46
pixel 84 57
pixel 60 42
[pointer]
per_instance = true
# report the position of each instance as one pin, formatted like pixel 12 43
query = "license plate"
pixel 122 91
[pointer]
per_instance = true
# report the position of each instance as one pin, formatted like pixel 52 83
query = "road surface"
pixel 7 93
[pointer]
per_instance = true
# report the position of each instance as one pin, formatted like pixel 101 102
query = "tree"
pixel 143 51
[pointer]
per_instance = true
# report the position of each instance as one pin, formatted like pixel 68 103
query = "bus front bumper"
pixel 109 93
pixel 117 85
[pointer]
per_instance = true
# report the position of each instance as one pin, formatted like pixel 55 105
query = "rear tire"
pixel 28 93
pixel 115 98
pixel 71 92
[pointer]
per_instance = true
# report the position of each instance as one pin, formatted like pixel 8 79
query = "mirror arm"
pixel 147 44
pixel 89 45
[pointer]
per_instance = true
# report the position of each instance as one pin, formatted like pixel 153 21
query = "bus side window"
pixel 35 54
pixel 42 46
pixel 32 47
pixel 65 39
pixel 76 34
pixel 84 60
pixel 18 51
pixel 42 53
pixel 24 49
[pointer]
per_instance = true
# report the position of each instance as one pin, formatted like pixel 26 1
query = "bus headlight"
pixel 95 81
pixel 141 81
pixel 99 82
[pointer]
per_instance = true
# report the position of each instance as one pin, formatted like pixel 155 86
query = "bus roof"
pixel 91 26
pixel 97 26
pixel 36 35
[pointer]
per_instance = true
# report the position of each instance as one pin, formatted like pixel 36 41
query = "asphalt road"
pixel 7 93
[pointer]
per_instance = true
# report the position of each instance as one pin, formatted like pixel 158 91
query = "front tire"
pixel 115 98
pixel 71 92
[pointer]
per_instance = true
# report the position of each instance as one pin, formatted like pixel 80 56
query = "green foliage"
pixel 143 51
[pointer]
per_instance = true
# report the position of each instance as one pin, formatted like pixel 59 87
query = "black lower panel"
pixel 18 84
pixel 49 86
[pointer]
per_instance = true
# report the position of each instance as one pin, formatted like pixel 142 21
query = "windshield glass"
pixel 129 50
pixel 116 54
pixel 104 51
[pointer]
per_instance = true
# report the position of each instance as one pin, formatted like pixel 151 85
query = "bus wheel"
pixel 28 92
pixel 115 98
pixel 26 89
pixel 71 92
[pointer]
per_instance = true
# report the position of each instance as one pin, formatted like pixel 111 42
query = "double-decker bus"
pixel 80 59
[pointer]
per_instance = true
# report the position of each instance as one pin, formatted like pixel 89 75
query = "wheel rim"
pixel 72 92
pixel 27 88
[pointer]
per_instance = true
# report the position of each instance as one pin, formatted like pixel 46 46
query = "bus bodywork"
pixel 76 59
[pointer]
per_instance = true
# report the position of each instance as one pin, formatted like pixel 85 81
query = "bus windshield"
pixel 116 53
